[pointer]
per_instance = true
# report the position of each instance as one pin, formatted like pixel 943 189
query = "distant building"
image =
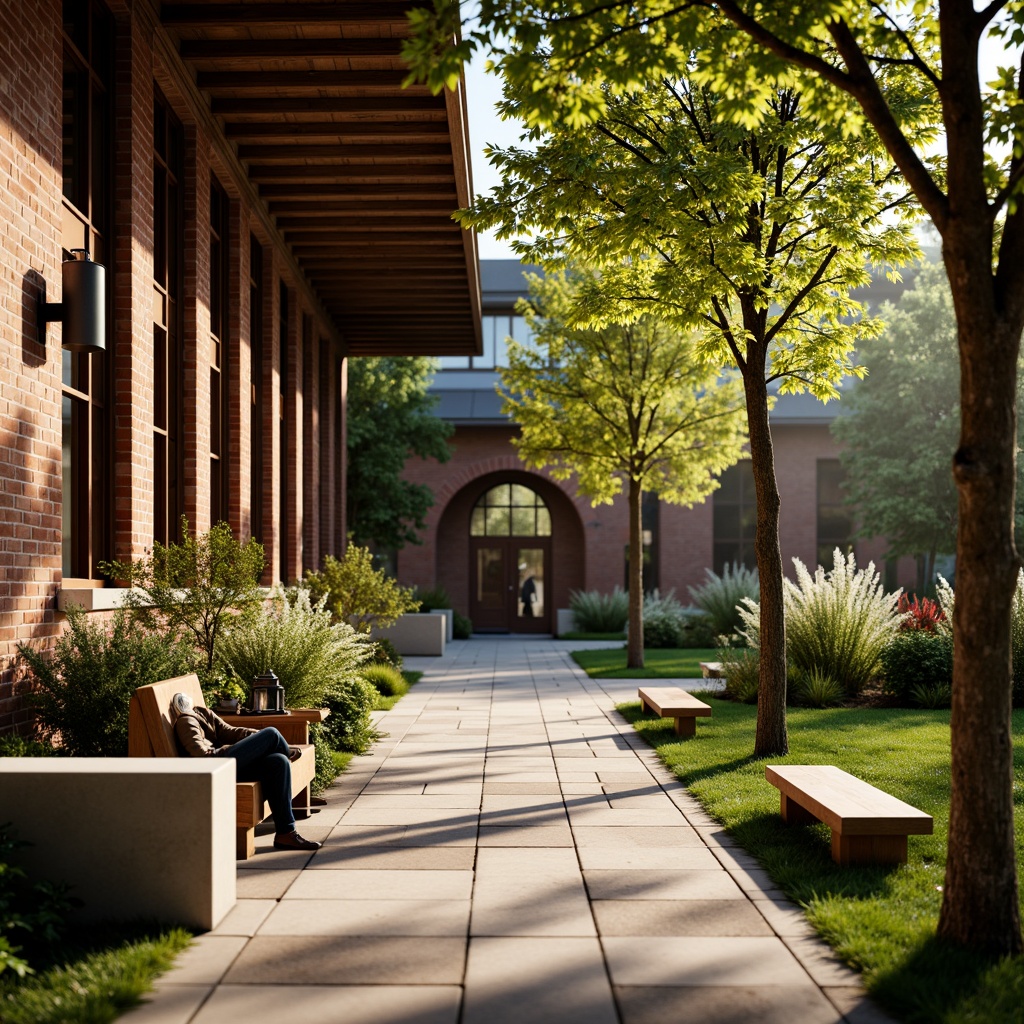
pixel 498 532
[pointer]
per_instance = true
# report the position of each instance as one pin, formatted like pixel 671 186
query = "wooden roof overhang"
pixel 360 175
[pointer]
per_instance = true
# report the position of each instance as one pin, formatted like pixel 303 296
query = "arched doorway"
pixel 510 561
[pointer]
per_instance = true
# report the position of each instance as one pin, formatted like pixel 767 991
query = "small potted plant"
pixel 228 696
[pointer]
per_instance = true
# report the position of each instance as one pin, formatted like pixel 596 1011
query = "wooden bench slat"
pixel 847 803
pixel 669 701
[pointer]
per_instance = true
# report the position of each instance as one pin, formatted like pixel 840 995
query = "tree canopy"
pixel 390 419
pixel 630 406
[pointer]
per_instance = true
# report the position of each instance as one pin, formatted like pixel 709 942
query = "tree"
pixel 903 424
pixel 629 403
pixel 390 419
pixel 844 53
pixel 195 588
pixel 756 235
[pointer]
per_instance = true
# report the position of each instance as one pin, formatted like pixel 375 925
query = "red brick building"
pixel 267 201
pixel 483 557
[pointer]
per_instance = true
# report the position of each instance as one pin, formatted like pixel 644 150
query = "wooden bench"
pixel 711 669
pixel 151 734
pixel 675 703
pixel 868 825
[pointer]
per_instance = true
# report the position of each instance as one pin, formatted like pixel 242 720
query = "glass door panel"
pixel 490 578
pixel 530 569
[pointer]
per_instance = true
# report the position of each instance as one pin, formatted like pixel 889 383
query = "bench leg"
pixel 686 727
pixel 847 850
pixel 794 814
pixel 301 803
pixel 245 843
pixel 645 708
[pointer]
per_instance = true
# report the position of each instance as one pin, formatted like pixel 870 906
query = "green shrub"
pixel 696 629
pixel 815 689
pixel 196 588
pixel 741 667
pixel 308 651
pixel 386 653
pixel 358 593
pixel 663 620
pixel 386 680
pixel 85 683
pixel 13 745
pixel 348 728
pixel 32 913
pixel 327 769
pixel 837 622
pixel 721 596
pixel 599 613
pixel 917 659
pixel 432 598
pixel 933 695
pixel 462 627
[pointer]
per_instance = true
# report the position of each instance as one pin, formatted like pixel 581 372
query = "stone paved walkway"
pixel 511 853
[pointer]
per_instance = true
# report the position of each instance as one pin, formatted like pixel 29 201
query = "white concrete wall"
pixel 134 837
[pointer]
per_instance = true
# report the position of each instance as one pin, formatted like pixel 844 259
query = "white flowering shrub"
pixel 837 622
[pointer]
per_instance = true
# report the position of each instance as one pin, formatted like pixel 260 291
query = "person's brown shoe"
pixel 293 841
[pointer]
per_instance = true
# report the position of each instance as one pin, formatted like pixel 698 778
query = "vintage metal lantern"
pixel 267 695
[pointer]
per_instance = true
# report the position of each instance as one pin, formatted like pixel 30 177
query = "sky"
pixel 483 92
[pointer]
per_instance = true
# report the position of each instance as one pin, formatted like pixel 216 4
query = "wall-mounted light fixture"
pixel 83 309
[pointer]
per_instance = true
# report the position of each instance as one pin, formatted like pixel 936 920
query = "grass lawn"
pixel 591 636
pixel 670 663
pixel 99 975
pixel 880 920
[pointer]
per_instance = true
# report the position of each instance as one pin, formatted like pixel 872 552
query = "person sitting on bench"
pixel 262 756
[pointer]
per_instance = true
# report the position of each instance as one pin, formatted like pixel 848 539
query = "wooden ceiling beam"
pixel 355 108
pixel 269 81
pixel 428 173
pixel 381 131
pixel 236 50
pixel 226 15
pixel 398 149
pixel 397 192
pixel 410 220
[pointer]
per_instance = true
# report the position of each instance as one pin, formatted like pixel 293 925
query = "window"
pixel 220 270
pixel 497 329
pixel 284 529
pixel 835 527
pixel 734 511
pixel 510 510
pixel 256 391
pixel 87 188
pixel 168 244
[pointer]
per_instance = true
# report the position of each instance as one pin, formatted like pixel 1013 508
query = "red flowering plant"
pixel 924 613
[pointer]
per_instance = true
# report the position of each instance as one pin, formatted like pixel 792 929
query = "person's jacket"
pixel 201 733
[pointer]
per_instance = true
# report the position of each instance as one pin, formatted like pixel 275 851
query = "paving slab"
pixel 509 853
pixel 330 1004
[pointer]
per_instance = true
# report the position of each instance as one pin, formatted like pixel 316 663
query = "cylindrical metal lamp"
pixel 85 303
pixel 267 695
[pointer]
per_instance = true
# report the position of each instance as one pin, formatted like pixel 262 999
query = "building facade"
pixel 267 201
pixel 495 525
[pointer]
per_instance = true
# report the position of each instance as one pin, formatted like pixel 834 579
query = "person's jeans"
pixel 263 758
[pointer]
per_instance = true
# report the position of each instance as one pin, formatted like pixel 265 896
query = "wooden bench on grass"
pixel 711 669
pixel 151 734
pixel 675 703
pixel 868 825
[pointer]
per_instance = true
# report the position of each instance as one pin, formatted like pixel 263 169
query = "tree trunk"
pixel 635 635
pixel 979 903
pixel 771 739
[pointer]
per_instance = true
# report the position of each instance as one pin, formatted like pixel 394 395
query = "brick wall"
pixel 31 234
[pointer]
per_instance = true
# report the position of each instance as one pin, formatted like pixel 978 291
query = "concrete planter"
pixel 449 621
pixel 565 621
pixel 134 837
pixel 418 633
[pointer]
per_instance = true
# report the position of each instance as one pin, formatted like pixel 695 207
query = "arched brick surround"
pixel 455 502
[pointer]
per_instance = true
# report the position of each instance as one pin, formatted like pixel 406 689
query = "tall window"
pixel 168 243
pixel 220 270
pixel 497 329
pixel 835 527
pixel 88 177
pixel 284 530
pixel 734 513
pixel 256 394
